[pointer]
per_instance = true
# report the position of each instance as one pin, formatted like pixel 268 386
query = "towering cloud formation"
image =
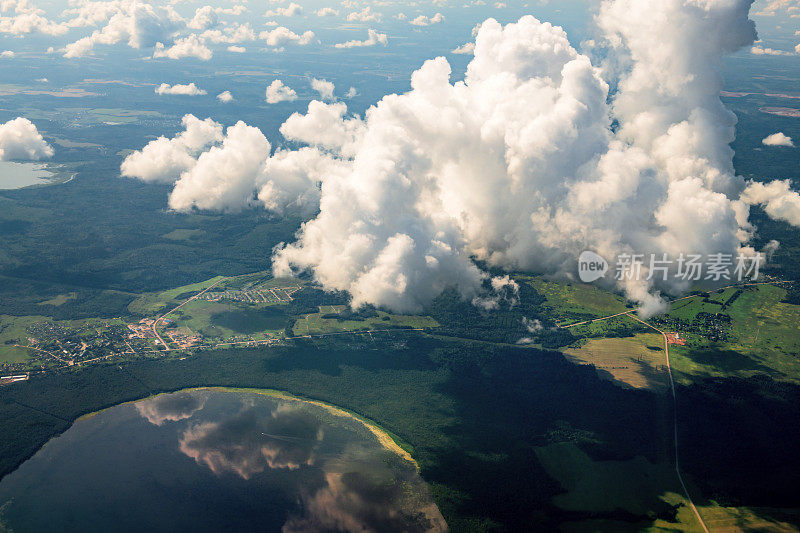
pixel 19 139
pixel 524 164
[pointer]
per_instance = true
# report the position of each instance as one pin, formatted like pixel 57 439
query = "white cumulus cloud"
pixel 325 88
pixel 278 92
pixel 281 36
pixel 190 46
pixel 525 163
pixel 186 90
pixel 422 20
pixel 778 139
pixel 291 10
pixel 373 38
pixel 20 140
pixel 163 160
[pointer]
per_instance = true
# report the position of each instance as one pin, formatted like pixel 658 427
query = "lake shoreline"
pixel 386 440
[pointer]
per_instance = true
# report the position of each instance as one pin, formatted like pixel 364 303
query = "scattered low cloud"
pixel 282 36
pixel 278 92
pixel 771 8
pixel 325 88
pixel 209 17
pixel 291 10
pixel 764 51
pixel 778 139
pixel 465 49
pixel 225 97
pixel 190 46
pixel 422 20
pixel 777 198
pixel 139 24
pixel 187 90
pixel 365 15
pixel 327 12
pixel 373 38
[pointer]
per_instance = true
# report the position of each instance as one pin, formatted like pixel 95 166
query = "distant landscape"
pixel 526 399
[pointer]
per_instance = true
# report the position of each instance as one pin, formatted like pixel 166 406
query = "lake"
pixel 217 460
pixel 15 175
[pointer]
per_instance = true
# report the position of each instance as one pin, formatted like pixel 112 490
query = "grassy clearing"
pixel 718 518
pixel 570 300
pixel 631 361
pixel 60 299
pixel 153 303
pixel 315 324
pixel 182 234
pixel 223 320
pixel 13 331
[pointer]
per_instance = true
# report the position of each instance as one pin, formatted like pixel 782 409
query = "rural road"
pixel 675 423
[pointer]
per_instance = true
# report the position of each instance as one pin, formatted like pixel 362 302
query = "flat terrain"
pixel 636 361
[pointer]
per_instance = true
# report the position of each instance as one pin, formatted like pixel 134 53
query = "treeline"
pixel 509 322
pixel 22 297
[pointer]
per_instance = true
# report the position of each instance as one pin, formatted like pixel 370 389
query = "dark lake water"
pixel 212 460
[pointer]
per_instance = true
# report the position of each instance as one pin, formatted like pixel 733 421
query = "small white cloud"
pixel 422 20
pixel 278 92
pixel 365 15
pixel 373 38
pixel 778 139
pixel 7 54
pixel 237 49
pixel 325 88
pixel 327 12
pixel 281 36
pixel 466 49
pixel 186 90
pixel 225 97
pixel 289 11
pixel 190 46
pixel 351 93
pixel 762 51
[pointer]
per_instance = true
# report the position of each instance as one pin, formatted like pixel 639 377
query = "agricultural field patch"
pixel 636 361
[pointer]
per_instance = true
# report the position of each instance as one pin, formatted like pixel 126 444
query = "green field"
pixel 183 234
pixel 251 320
pixel 636 361
pixel 153 303
pixel 12 331
pixel 315 323
pixel 573 302
pixel 764 336
pixel 60 299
